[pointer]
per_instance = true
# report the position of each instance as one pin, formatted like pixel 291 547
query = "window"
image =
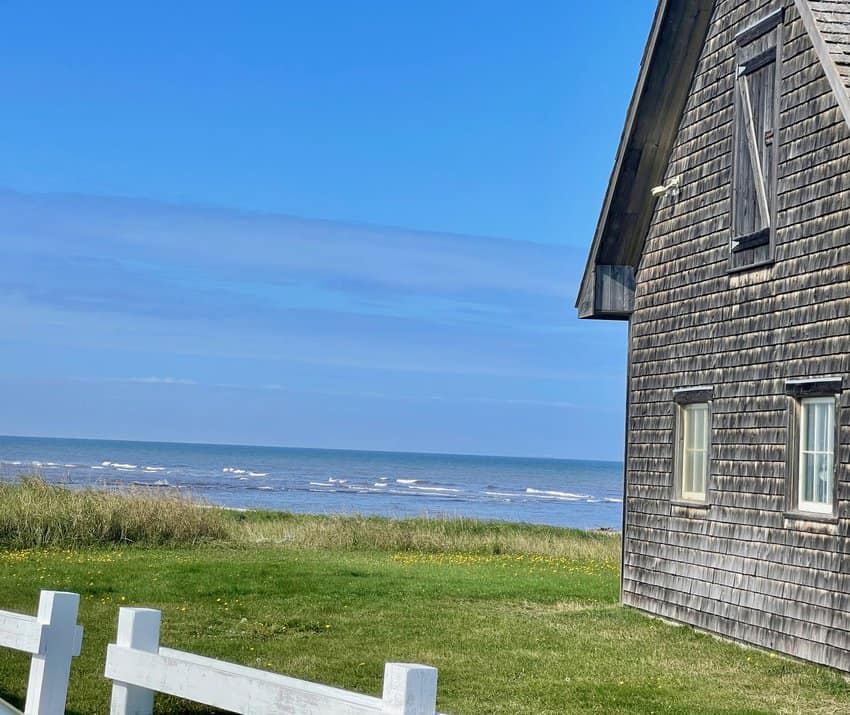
pixel 692 451
pixel 755 141
pixel 817 454
pixel 813 445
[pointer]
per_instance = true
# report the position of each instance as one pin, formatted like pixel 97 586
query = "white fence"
pixel 140 668
pixel 53 638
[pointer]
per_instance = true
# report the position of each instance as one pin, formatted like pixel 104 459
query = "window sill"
pixel 754 240
pixel 701 505
pixel 751 266
pixel 811 516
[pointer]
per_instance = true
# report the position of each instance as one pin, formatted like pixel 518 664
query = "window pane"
pixel 697 415
pixel 807 478
pixel 689 427
pixel 823 427
pixel 699 429
pixel 699 473
pixel 809 420
pixel 823 478
pixel 688 471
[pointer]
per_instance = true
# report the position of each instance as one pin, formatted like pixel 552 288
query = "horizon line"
pixel 314 449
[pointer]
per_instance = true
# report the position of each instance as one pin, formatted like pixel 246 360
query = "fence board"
pixel 139 668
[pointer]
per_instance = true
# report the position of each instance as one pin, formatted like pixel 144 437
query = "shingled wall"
pixel 741 568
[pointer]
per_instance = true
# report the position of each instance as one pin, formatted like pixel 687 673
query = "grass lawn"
pixel 510 633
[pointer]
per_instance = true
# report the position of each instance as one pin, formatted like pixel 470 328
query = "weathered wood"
pixel 615 290
pixel 660 93
pixel 754 153
pixel 813 387
pixel 745 565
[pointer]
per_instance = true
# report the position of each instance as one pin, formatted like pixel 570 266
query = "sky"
pixel 325 224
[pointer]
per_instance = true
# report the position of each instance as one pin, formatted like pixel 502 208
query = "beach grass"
pixel 35 513
pixel 424 534
pixel 511 632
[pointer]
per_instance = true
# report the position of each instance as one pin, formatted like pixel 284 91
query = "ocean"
pixel 558 492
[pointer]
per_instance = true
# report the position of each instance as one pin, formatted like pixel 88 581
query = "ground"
pixel 510 633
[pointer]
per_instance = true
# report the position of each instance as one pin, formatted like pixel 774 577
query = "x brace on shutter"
pixel 752 144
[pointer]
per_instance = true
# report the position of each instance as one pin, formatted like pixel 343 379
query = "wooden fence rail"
pixel 52 638
pixel 139 668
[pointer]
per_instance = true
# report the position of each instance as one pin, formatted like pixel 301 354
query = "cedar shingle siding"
pixel 741 567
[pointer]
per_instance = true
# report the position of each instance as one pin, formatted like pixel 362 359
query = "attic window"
pixel 756 139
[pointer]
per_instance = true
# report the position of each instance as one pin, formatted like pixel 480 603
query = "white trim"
pixel 804 505
pixel 139 668
pixel 685 413
pixel 52 638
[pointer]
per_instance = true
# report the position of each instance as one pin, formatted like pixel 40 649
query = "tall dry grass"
pixel 434 534
pixel 34 513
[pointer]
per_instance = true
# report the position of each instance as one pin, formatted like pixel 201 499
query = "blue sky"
pixel 320 224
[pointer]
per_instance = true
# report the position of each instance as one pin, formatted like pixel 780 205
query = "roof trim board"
pixel 670 59
pixel 824 53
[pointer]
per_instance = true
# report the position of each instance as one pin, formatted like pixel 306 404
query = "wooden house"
pixel 724 241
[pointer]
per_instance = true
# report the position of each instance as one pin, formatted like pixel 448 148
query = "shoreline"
pixel 569 493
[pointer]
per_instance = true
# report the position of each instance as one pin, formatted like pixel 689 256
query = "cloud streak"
pixel 103 288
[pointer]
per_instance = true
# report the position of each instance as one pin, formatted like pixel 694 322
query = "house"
pixel 724 241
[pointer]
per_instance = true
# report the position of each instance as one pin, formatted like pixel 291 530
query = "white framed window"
pixel 812 448
pixel 692 445
pixel 816 450
pixel 693 458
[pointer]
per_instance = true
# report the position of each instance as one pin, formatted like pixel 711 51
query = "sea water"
pixel 559 492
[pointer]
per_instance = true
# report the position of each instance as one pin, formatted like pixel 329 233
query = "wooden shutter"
pixel 756 131
pixel 755 139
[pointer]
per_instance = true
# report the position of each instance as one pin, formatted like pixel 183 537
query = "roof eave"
pixel 669 61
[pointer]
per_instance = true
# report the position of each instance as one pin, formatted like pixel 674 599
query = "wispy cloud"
pixel 159 380
pixel 140 295
pixel 106 255
pixel 359 394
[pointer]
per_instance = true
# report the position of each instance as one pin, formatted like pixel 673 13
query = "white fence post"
pixel 138 628
pixel 61 639
pixel 409 689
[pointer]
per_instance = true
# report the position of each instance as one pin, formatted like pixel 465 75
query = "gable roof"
pixel 670 59
pixel 828 25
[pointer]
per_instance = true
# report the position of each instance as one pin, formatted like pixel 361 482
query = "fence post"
pixel 409 689
pixel 138 628
pixel 61 639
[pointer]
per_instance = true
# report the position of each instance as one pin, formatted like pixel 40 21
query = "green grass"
pixel 332 599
